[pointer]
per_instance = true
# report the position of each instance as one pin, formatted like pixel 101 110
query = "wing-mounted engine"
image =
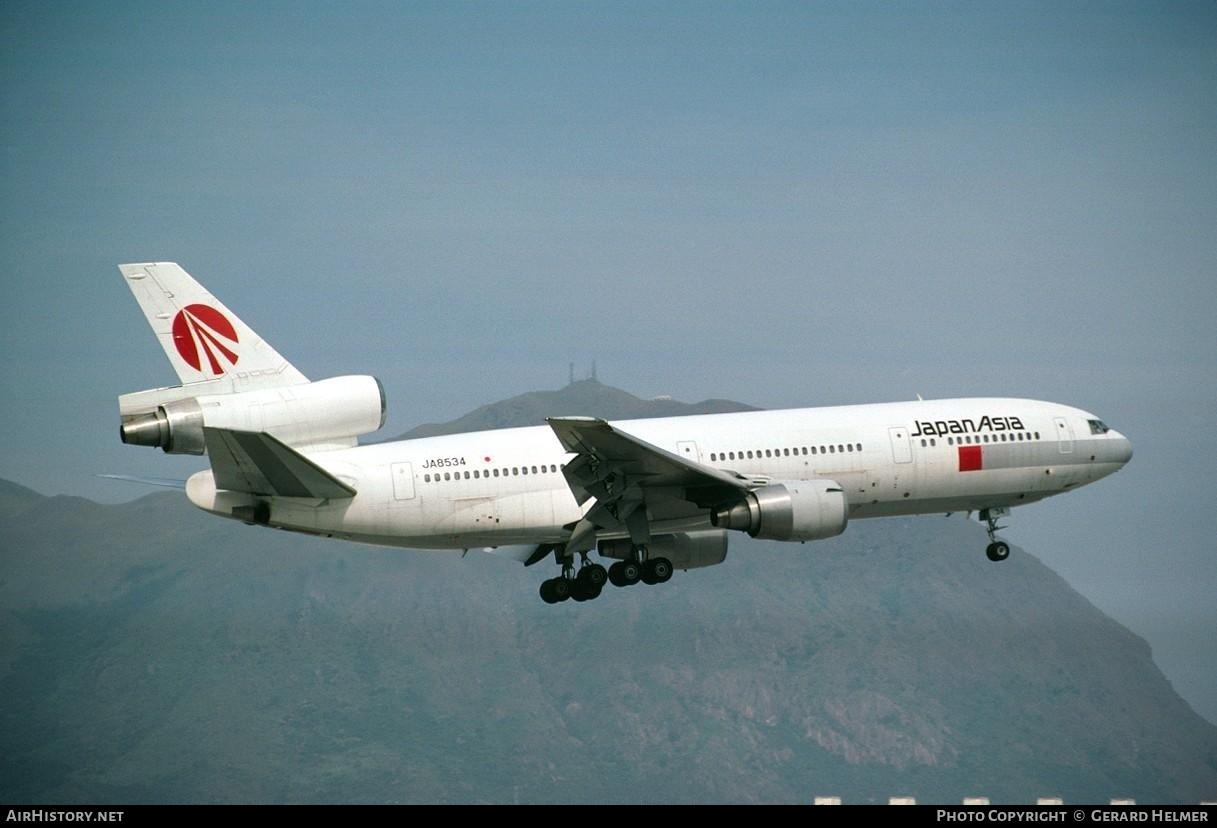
pixel 326 414
pixel 799 510
pixel 686 550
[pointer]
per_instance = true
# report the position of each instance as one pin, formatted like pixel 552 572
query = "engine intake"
pixel 791 510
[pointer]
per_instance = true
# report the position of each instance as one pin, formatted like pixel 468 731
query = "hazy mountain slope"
pixel 585 397
pixel 16 499
pixel 149 652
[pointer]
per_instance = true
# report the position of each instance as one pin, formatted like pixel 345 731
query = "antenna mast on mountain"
pixel 594 371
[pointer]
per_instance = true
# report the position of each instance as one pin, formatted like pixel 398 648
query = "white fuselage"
pixel 506 487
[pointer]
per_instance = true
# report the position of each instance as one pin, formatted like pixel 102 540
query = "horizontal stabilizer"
pixel 255 462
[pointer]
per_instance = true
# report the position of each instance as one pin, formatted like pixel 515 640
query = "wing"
pixel 255 462
pixel 634 482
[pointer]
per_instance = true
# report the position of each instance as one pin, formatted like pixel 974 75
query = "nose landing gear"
pixel 997 550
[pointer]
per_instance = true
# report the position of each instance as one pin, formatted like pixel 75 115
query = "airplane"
pixel 650 495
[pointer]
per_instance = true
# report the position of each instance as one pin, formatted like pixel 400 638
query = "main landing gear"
pixel 997 550
pixel 588 582
pixel 582 586
pixel 640 567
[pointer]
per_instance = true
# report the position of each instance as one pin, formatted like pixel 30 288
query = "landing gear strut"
pixel 997 550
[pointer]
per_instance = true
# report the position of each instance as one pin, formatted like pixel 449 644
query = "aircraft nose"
pixel 1123 449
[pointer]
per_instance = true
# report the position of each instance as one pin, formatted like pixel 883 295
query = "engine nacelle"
pixel 330 411
pixel 799 510
pixel 686 550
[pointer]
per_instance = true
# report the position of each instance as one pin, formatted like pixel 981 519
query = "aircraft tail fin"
pixel 204 340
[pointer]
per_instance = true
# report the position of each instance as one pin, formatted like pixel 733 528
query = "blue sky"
pixel 781 203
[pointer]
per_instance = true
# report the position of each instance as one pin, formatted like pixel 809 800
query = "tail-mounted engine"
pixel 799 510
pixel 333 411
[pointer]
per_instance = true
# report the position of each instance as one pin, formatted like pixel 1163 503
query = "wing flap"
pixel 603 450
pixel 632 482
pixel 256 462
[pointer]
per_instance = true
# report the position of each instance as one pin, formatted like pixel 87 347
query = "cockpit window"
pixel 1098 427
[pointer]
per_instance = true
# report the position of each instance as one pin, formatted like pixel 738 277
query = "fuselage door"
pixel 902 452
pixel 688 450
pixel 403 481
pixel 1064 435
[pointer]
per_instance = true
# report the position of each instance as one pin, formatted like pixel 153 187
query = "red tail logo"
pixel 200 330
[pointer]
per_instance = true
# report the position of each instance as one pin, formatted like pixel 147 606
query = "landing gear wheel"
pixel 555 590
pixel 656 571
pixel 661 570
pixel 629 573
pixel 998 551
pixel 614 575
pixel 593 576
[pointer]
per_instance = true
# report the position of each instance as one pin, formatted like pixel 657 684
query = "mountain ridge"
pixel 587 397
pixel 152 653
